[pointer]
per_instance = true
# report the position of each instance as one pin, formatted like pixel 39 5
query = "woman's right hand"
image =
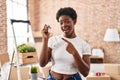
pixel 45 32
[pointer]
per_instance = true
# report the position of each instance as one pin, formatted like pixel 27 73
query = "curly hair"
pixel 66 11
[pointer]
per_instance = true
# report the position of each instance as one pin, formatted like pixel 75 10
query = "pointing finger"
pixel 65 40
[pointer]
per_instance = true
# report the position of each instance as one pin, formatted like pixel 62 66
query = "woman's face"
pixel 67 26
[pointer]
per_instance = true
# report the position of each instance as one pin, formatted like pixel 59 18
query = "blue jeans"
pixel 74 77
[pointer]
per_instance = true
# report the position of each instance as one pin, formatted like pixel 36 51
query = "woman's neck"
pixel 70 36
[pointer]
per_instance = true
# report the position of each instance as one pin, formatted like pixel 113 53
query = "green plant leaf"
pixel 33 69
pixel 24 48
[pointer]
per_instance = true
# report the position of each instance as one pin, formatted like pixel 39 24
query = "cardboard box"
pixel 92 77
pixel 112 69
pixel 25 74
pixel 114 76
pixel 4 57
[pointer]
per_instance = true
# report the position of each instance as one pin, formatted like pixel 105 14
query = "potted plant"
pixel 33 72
pixel 24 48
pixel 27 53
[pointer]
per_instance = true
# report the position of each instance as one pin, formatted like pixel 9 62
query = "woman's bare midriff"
pixel 60 76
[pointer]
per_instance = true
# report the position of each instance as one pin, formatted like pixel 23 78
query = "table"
pixel 93 77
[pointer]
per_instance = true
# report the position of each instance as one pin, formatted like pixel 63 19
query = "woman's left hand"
pixel 70 48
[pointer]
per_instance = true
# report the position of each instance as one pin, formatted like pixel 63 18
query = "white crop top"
pixel 62 61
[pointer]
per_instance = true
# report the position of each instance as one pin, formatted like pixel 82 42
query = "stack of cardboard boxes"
pixel 4 57
pixel 113 70
pixel 25 74
pixel 97 72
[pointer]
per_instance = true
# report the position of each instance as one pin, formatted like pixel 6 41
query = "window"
pixel 16 9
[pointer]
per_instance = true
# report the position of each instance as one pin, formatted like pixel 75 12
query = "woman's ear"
pixel 74 21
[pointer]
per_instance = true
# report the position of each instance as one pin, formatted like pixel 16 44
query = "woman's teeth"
pixel 66 28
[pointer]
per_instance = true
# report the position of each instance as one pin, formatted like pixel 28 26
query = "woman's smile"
pixel 66 29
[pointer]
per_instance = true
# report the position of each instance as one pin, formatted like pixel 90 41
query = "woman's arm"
pixel 83 64
pixel 45 54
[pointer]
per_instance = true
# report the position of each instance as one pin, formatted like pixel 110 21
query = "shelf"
pixel 96 59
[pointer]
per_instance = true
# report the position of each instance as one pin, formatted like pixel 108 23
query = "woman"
pixel 69 53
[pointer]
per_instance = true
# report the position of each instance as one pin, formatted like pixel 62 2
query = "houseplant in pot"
pixel 33 72
pixel 27 53
pixel 24 48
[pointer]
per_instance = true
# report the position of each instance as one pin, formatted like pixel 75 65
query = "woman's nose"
pixel 64 24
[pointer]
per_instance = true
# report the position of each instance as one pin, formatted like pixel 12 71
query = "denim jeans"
pixel 74 77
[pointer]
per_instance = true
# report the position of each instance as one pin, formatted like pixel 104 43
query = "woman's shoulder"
pixel 81 39
pixel 55 37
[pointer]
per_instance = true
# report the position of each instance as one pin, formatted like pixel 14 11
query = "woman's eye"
pixel 61 23
pixel 67 21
